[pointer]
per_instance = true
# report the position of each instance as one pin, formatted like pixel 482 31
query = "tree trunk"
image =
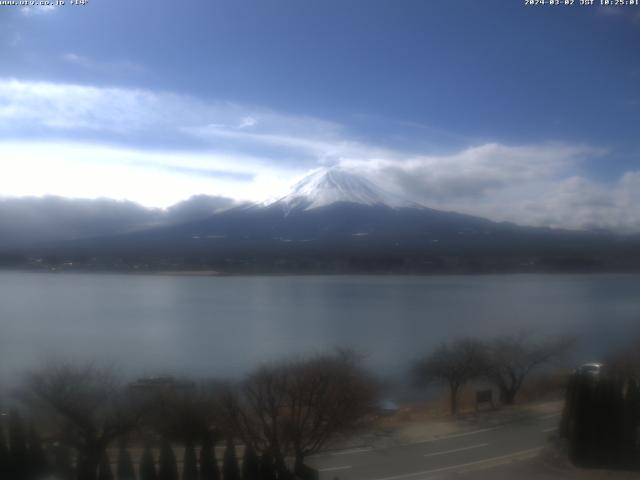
pixel 507 396
pixel 281 467
pixel 454 399
pixel 88 464
pixel 299 465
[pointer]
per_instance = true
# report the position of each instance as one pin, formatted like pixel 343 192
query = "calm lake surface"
pixel 223 326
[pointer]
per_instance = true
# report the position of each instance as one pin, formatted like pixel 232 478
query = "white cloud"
pixel 68 106
pixel 69 109
pixel 79 165
pixel 251 153
pixel 477 171
pixel 105 67
pixel 247 122
pixel 146 177
pixel 540 185
pixel 532 185
pixel 31 10
pixel 582 203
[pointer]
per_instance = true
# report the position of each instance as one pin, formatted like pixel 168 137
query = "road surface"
pixel 461 455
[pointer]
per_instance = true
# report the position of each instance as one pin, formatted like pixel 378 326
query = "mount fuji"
pixel 327 186
pixel 336 221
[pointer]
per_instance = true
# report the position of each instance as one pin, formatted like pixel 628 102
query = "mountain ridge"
pixel 330 224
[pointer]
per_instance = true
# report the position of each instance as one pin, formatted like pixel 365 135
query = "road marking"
pixel 552 415
pixel 431 440
pixel 456 435
pixel 334 469
pixel 342 452
pixel 547 430
pixel 464 465
pixel 445 452
pixel 353 450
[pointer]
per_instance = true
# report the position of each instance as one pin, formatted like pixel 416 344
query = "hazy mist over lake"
pixel 224 326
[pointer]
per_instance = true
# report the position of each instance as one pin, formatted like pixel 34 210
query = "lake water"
pixel 223 326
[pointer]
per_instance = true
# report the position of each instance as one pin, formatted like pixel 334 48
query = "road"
pixel 457 455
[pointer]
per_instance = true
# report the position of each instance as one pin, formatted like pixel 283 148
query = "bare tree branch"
pixel 296 407
pixel 455 364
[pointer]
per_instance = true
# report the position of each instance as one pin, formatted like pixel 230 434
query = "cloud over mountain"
pixel 31 220
pixel 158 148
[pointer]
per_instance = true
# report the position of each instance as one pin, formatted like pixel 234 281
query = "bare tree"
pixel 297 407
pixel 455 364
pixel 511 358
pixel 257 410
pixel 626 360
pixel 186 412
pixel 327 396
pixel 89 407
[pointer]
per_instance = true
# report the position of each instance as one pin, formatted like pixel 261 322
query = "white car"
pixel 591 369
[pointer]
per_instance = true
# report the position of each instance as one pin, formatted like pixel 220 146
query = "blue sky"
pixel 527 114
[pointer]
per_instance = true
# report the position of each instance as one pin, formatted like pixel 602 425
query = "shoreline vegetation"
pixel 69 419
pixel 190 272
pixel 83 422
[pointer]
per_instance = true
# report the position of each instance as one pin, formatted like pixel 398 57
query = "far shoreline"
pixel 218 273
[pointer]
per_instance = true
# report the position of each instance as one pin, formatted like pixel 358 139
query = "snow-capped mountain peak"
pixel 326 186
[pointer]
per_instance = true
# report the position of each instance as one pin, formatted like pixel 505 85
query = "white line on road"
pixel 547 430
pixel 456 435
pixel 464 465
pixel 334 469
pixel 353 450
pixel 551 415
pixel 445 452
pixel 430 440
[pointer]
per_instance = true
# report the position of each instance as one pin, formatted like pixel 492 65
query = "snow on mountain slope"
pixel 327 186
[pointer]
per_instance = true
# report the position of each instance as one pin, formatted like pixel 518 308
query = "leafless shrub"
pixel 187 412
pixel 505 361
pixel 87 407
pixel 297 407
pixel 510 359
pixel 626 361
pixel 455 364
